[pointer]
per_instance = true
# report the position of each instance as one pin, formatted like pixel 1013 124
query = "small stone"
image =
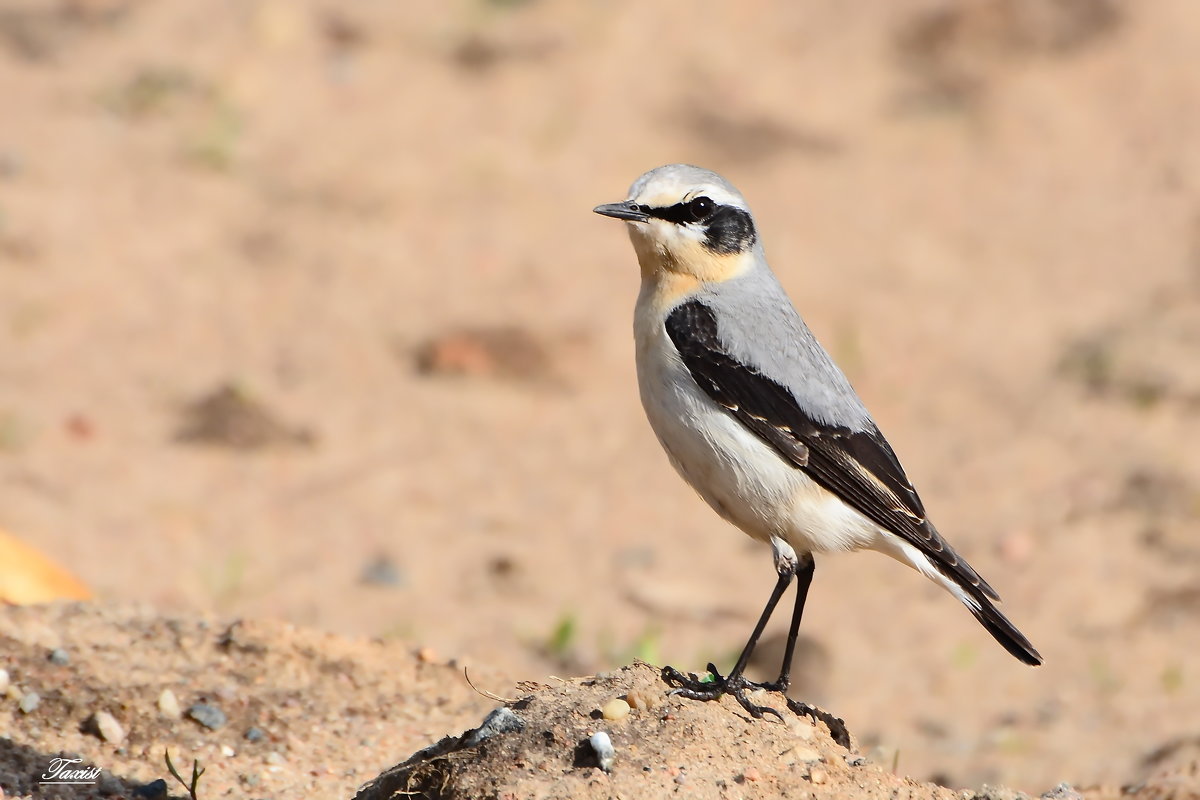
pixel 208 715
pixel 602 746
pixel 154 790
pixel 3 681
pixel 59 657
pixel 105 725
pixel 855 760
pixel 751 775
pixel 275 758
pixel 500 721
pixel 382 571
pixel 426 655
pixel 817 775
pixel 168 705
pixel 228 751
pixel 640 700
pixel 29 702
pixel 615 709
pixel 807 754
pixel 254 735
pixel 109 785
pixel 1064 791
pixel 801 727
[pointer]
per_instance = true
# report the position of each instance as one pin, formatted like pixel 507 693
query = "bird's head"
pixel 687 222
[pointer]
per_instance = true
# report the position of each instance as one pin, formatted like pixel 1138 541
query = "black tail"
pixel 1004 631
pixel 981 595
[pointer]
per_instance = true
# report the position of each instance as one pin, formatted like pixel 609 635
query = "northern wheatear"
pixel 754 414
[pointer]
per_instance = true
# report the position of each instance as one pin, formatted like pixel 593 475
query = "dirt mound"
pixel 555 743
pixel 623 735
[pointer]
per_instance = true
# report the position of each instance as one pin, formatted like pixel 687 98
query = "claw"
pixel 695 689
pixel 837 727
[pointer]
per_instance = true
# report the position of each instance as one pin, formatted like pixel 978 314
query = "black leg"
pixel 734 683
pixel 837 727
pixel 804 576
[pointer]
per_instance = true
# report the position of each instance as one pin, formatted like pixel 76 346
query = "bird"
pixel 755 415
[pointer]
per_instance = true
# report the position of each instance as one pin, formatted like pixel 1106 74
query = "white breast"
pixel 741 477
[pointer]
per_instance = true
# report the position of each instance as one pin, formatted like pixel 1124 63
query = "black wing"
pixel 857 466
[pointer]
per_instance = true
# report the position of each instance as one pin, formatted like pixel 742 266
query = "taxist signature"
pixel 63 771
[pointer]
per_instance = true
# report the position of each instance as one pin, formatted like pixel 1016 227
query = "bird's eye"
pixel 634 207
pixel 700 208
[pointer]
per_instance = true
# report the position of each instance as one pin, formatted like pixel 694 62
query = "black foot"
pixel 837 727
pixel 694 688
pixel 772 686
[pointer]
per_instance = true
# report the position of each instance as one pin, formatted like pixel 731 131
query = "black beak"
pixel 629 211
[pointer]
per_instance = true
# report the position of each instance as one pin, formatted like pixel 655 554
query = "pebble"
pixel 154 790
pixel 382 571
pixel 855 760
pixel 254 735
pixel 228 751
pixel 817 775
pixel 603 747
pixel 107 727
pixel 29 702
pixel 1064 791
pixel 168 705
pixel 275 758
pixel 3 681
pixel 801 728
pixel 500 721
pixel 806 754
pixel 59 657
pixel 640 700
pixel 208 715
pixel 751 775
pixel 109 785
pixel 615 709
pixel 427 655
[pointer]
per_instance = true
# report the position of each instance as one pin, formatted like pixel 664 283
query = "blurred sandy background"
pixel 304 315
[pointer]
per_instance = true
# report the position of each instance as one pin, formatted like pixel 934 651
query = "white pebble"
pixel 605 752
pixel 801 727
pixel 30 702
pixel 3 681
pixel 109 729
pixel 168 705
pixel 227 751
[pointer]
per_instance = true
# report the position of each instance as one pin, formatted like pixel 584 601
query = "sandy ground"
pixel 268 710
pixel 252 255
